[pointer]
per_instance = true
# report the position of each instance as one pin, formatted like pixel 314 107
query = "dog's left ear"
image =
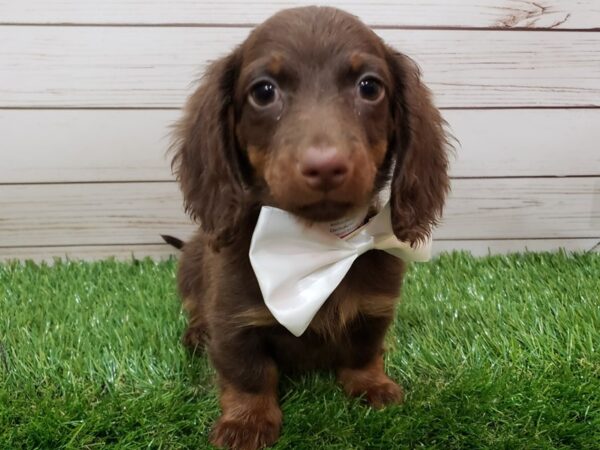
pixel 205 156
pixel 420 181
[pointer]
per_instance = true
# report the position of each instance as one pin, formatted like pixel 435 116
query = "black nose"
pixel 324 168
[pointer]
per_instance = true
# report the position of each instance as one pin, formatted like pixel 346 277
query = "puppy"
pixel 313 114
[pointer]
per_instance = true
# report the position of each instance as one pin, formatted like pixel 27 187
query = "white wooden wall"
pixel 89 87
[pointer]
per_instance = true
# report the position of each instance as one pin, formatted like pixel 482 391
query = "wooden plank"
pixel 116 66
pixel 130 145
pixel 509 143
pixel 137 213
pixel 523 208
pixel 503 247
pixel 90 214
pixel 85 145
pixel 582 14
pixel 88 253
pixel 163 251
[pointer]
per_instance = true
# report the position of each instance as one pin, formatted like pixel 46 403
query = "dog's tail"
pixel 173 241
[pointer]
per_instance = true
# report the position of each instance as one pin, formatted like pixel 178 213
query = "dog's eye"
pixel 263 93
pixel 370 89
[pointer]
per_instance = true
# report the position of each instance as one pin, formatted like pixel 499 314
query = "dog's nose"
pixel 324 168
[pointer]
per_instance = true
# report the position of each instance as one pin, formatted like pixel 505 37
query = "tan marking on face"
pixel 379 150
pixel 356 61
pixel 286 183
pixel 258 159
pixel 275 64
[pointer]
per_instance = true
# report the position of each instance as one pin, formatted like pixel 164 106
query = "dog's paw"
pixel 251 434
pixel 372 384
pixel 383 394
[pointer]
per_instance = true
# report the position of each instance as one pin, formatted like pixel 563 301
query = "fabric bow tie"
pixel 299 266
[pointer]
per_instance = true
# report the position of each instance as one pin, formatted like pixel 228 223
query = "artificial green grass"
pixel 499 352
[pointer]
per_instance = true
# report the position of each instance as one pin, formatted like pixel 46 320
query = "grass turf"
pixel 499 352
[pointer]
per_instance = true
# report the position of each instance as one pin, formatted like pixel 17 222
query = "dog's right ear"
pixel 206 159
pixel 420 182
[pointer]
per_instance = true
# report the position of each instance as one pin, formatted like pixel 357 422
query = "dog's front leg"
pixel 364 375
pixel 251 417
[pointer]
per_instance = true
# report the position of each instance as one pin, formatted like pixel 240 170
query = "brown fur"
pixel 250 420
pixel 232 157
pixel 372 383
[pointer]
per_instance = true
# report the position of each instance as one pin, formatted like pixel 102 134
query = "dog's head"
pixel 312 114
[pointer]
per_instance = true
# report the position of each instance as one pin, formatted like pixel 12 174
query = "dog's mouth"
pixel 324 210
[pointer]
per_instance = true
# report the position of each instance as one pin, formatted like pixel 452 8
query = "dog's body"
pixel 311 114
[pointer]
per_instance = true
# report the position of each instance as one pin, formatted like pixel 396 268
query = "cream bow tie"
pixel 299 266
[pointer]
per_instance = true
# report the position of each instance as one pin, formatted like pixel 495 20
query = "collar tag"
pixel 345 226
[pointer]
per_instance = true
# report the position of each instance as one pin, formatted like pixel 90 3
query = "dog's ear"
pixel 206 160
pixel 420 180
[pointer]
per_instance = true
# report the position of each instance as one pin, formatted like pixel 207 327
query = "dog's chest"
pixel 371 288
